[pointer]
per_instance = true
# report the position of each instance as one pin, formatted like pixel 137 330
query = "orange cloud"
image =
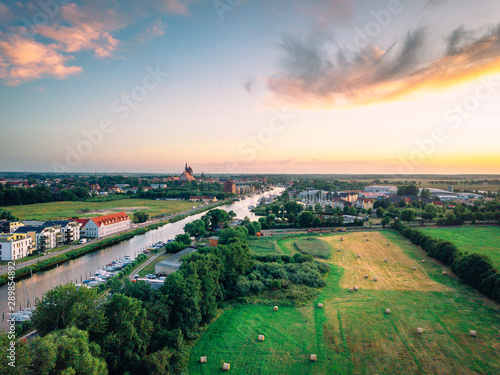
pixel 176 7
pixel 22 60
pixel 312 81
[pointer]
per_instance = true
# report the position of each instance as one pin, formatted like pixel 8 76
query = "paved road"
pixel 4 268
pixel 151 259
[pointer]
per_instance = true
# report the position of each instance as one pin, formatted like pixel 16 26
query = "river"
pixel 30 289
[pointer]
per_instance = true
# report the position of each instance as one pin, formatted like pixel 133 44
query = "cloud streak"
pixel 311 78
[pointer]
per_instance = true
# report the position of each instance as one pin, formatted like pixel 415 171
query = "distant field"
pixel 352 334
pixel 47 211
pixel 481 240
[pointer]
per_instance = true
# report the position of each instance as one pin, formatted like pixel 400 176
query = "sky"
pixel 255 86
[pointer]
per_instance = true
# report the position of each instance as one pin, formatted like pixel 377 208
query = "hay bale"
pixel 388 244
pixel 385 260
pixel 356 288
pixel 375 278
pixel 366 276
pixel 420 331
pixel 313 358
pixel 387 311
pixel 226 366
pixel 342 238
pixel 338 251
pixel 423 260
pixel 275 308
pixel 351 290
pixel 473 333
pixel 203 359
pixel 261 337
pixel 320 305
pixel 444 273
pixel 359 256
pixel 367 240
pixel 414 268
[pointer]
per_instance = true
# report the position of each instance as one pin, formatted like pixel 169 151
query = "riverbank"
pixel 52 260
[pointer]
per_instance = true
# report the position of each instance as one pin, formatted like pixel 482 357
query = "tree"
pixel 408 215
pixel 128 332
pixel 67 352
pixel 195 228
pixel 408 190
pixel 140 217
pixel 385 221
pixel 380 212
pixel 23 356
pixel 305 219
pixel 229 235
pixel 65 306
pixel 425 194
pixel 430 212
pixel 183 238
pixel 217 216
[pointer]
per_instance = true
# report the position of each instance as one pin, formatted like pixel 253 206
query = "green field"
pixel 352 334
pixel 52 210
pixel 481 240
pixel 150 268
pixel 313 246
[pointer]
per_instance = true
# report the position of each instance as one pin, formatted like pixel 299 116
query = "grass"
pixel 264 245
pixel 150 268
pixel 313 246
pixel 47 211
pixel 351 334
pixel 481 240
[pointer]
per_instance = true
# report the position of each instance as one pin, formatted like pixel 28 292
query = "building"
pixel 202 198
pixel 9 226
pixel 214 241
pixel 229 186
pixel 105 225
pixel 172 264
pixel 365 203
pixel 349 196
pixel 389 190
pixel 14 246
pixel 43 238
pixel 69 231
pixel 187 175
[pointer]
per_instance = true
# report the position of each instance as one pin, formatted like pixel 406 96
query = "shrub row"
pixel 476 270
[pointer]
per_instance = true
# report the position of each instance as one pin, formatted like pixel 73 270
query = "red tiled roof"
pixel 110 219
pixel 81 221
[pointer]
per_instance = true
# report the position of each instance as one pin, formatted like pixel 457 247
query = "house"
pixel 172 264
pixel 365 203
pixel 214 241
pixel 339 203
pixel 349 196
pixel 349 219
pixel 43 238
pixel 14 246
pixel 8 226
pixel 105 225
pixel 69 231
pixel 388 189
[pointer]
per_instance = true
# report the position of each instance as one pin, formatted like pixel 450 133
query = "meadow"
pixel 352 334
pixel 52 210
pixel 481 240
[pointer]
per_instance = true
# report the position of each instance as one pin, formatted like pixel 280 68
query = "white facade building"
pixel 105 225
pixel 389 190
pixel 14 246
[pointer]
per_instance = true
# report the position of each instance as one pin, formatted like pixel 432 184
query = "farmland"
pixel 47 211
pixel 352 334
pixel 481 240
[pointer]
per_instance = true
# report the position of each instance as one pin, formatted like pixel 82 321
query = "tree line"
pixel 476 270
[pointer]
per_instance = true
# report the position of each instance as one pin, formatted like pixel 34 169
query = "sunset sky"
pixel 283 86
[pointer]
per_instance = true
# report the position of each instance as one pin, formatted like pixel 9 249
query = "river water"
pixel 30 289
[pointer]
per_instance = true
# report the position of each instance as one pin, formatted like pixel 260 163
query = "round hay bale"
pixel 295 237
pixel 342 238
pixel 226 366
pixel 375 278
pixel 414 268
pixel 321 235
pixel 203 359
pixel 261 337
pixel 388 244
pixel 359 256
pixel 420 331
pixel 275 308
pixel 473 333
pixel 313 358
pixel 367 240
pixel 320 305
pixel 338 251
pixel 387 311
pixel 423 260
pixel 366 276
pixel 356 288
pixel 385 260
pixel 444 273
pixel 364 235
pixel 351 290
